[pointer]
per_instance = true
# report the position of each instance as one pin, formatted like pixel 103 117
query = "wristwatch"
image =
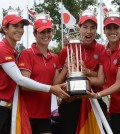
pixel 99 95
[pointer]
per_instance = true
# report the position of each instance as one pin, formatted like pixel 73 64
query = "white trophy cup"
pixel 77 82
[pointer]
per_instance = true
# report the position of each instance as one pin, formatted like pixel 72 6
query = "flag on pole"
pixel 104 7
pixel 31 16
pixel 20 120
pixel 68 18
pixel 89 120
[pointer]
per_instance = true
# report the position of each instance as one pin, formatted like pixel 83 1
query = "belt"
pixel 5 104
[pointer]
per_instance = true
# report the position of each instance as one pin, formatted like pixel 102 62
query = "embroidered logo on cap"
pixel 44 21
pixel 112 18
pixel 89 16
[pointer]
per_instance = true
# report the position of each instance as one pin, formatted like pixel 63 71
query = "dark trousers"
pixel 115 123
pixel 40 126
pixel 69 115
pixel 5 120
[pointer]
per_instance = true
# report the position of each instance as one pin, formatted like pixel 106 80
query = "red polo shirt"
pixel 42 70
pixel 111 63
pixel 7 85
pixel 90 56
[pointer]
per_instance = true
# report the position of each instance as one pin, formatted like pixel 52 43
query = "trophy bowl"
pixel 77 84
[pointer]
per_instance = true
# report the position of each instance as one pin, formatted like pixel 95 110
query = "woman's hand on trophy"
pixel 66 63
pixel 86 71
pixel 70 63
pixel 93 95
pixel 59 90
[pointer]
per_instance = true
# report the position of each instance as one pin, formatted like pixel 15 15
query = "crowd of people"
pixel 40 73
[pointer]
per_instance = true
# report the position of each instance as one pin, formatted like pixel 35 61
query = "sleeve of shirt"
pixel 6 55
pixel 24 60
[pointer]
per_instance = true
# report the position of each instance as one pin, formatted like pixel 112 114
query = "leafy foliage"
pixel 56 49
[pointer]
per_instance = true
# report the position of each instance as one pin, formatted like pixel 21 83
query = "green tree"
pixel 56 49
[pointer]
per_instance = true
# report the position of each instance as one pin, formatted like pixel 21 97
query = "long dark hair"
pixel 1 29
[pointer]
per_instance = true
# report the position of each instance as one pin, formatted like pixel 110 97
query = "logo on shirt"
pixel 8 58
pixel 95 56
pixel 54 65
pixel 21 64
pixel 115 61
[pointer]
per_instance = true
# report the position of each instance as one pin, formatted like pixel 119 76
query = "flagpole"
pixel 101 21
pixel 102 116
pixel 27 28
pixel 14 111
pixel 34 4
pixel 62 21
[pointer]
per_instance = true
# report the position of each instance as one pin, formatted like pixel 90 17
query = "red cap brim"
pixel 87 17
pixel 112 20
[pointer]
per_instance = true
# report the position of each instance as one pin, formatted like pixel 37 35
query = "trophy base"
pixel 78 85
pixel 77 92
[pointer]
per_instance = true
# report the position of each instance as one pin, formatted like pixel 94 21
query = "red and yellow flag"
pixel 87 120
pixel 20 119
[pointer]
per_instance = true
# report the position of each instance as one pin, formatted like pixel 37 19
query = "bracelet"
pixel 99 95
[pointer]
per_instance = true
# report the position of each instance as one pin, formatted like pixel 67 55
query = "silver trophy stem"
pixel 71 54
pixel 68 59
pixel 80 58
pixel 77 60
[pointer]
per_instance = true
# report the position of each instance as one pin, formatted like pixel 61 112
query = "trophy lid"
pixel 72 33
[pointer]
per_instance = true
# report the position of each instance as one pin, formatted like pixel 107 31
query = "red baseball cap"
pixel 87 17
pixel 112 20
pixel 13 19
pixel 42 24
